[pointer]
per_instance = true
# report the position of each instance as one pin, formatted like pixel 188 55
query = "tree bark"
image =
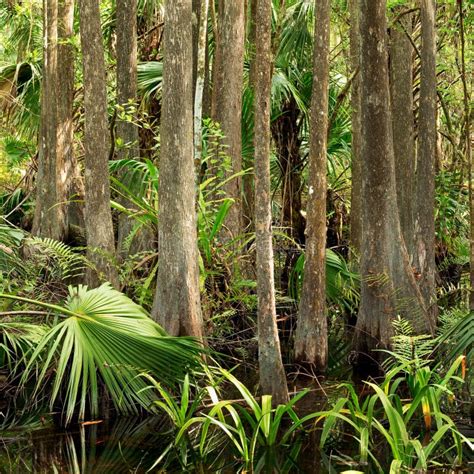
pixel 228 99
pixel 272 373
pixel 388 286
pixel 424 261
pixel 467 136
pixel 127 131
pixel 356 188
pixel 69 175
pixel 47 217
pixel 248 204
pixel 200 78
pixel 403 126
pixel 177 301
pixel 311 343
pixel 98 215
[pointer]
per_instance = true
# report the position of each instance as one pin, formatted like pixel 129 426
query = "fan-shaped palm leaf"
pixel 105 337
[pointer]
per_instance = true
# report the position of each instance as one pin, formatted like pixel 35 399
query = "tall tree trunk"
pixel 70 182
pixel 356 188
pixel 272 373
pixel 401 88
pixel 98 215
pixel 388 285
pixel 467 136
pixel 424 260
pixel 228 98
pixel 200 79
pixel 127 131
pixel 177 301
pixel 46 221
pixel 248 205
pixel 311 343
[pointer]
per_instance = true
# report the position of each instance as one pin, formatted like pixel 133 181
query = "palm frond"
pixel 104 337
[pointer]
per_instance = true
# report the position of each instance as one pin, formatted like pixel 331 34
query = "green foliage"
pixel 37 267
pixel 387 417
pixel 457 333
pixel 249 427
pixel 342 285
pixel 103 337
pixel 409 348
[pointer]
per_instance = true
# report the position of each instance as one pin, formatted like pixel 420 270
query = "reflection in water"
pixel 127 445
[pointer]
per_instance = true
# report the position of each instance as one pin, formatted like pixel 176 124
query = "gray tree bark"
pixel 272 373
pixel 403 126
pixel 98 215
pixel 248 204
pixel 467 137
pixel 228 100
pixel 47 218
pixel 356 188
pixel 177 300
pixel 200 79
pixel 127 132
pixel 425 235
pixel 311 343
pixel 69 174
pixel 388 285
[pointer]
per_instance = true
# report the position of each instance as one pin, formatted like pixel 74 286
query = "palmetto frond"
pixel 104 337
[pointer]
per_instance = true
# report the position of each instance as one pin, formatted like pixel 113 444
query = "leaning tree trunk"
pixel 272 373
pixel 177 301
pixel 228 99
pixel 311 342
pixel 388 285
pixel 98 215
pixel 401 89
pixel 424 260
pixel 47 219
pixel 356 164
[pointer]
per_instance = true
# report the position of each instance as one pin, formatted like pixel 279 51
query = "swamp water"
pixel 126 445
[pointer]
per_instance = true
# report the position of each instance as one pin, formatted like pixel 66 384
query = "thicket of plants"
pixel 70 353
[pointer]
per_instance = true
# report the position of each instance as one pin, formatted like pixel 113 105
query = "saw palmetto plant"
pixel 103 339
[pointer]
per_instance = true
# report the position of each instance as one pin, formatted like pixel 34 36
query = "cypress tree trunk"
pixel 200 79
pixel 228 99
pixel 467 137
pixel 68 169
pixel 401 88
pixel 356 188
pixel 98 215
pixel 424 260
pixel 177 301
pixel 311 345
pixel 248 205
pixel 46 221
pixel 272 373
pixel 127 132
pixel 388 285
